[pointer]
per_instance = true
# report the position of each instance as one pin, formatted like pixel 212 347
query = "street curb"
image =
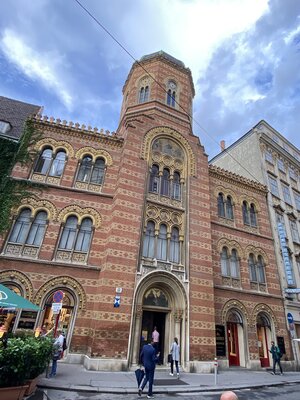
pixel 163 390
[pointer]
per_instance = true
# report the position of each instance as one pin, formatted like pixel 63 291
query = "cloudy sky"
pixel 244 56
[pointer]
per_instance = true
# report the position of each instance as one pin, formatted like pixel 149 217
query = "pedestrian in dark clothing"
pixel 276 355
pixel 149 359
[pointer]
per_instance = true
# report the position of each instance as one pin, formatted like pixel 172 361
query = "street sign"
pixel 296 290
pixel 58 296
pixel 117 301
pixel 290 318
pixel 56 307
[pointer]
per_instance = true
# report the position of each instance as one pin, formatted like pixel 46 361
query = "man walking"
pixel 276 355
pixel 148 359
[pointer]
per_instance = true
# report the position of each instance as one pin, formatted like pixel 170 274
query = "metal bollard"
pixel 216 369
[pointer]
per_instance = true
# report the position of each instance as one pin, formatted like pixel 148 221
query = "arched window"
pixel 261 270
pixel 174 246
pixel 98 171
pixel 28 230
pixel 252 268
pixel 225 266
pixel 84 235
pixel 21 227
pixel 165 184
pixel 51 164
pixel 176 186
pixel 58 164
pixel 44 162
pixel 76 237
pixel 68 236
pixel 141 95
pixel 144 94
pixel 90 172
pixel 221 206
pixel 253 220
pixel 162 243
pixel 149 239
pixel 85 168
pixel 234 264
pixel 154 179
pixel 171 93
pixel 229 208
pixel 37 229
pixel 245 211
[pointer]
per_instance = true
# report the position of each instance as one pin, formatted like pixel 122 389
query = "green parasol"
pixel 9 299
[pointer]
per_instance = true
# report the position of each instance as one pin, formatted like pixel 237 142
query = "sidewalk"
pixel 75 377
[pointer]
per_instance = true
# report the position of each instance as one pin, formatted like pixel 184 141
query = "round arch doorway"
pixel 160 301
pixel 63 320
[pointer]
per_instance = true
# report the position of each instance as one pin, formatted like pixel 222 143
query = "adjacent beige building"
pixel 265 155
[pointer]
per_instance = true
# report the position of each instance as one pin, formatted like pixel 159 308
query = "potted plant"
pixel 21 359
pixel 38 355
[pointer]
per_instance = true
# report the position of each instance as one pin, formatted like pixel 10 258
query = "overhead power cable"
pixel 160 85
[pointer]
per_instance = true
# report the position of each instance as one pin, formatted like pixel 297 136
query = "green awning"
pixel 9 299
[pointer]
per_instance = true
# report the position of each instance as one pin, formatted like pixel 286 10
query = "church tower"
pixel 173 287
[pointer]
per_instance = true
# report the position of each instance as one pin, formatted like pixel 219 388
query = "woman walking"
pixel 175 357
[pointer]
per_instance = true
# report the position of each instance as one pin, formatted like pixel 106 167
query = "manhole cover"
pixel 168 382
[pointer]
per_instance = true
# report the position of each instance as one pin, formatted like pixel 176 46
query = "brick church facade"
pixel 137 231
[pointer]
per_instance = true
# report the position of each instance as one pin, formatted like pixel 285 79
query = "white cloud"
pixel 41 66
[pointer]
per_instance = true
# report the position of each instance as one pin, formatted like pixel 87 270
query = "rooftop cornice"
pixel 154 105
pixel 231 176
pixel 77 129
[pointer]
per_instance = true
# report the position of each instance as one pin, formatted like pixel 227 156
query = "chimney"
pixel 222 145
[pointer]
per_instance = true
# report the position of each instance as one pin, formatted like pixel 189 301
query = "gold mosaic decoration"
pixel 232 305
pixel 263 308
pixel 250 200
pixel 38 205
pixel 226 192
pixel 56 145
pixel 257 251
pixel 230 244
pixel 176 137
pixel 80 214
pixel 95 153
pixel 16 277
pixel 61 282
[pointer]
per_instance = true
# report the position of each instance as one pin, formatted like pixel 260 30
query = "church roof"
pixel 15 113
pixel 165 55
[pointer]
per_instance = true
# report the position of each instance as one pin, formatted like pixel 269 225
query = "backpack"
pixel 65 344
pixel 278 352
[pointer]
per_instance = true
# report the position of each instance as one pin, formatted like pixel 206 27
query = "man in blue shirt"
pixel 149 359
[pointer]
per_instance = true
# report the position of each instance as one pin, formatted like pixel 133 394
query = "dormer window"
pixel 4 126
pixel 171 93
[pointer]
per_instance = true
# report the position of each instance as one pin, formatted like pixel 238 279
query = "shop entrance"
pixel 150 320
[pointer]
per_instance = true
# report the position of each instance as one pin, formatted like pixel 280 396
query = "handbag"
pixel 170 358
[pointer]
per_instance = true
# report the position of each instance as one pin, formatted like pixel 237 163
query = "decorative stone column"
pixel 137 334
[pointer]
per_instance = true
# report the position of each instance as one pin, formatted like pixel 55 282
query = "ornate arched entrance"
pixel 160 300
pixel 263 329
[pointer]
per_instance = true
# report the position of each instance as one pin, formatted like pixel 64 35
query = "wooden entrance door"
pixel 233 344
pixel 263 346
